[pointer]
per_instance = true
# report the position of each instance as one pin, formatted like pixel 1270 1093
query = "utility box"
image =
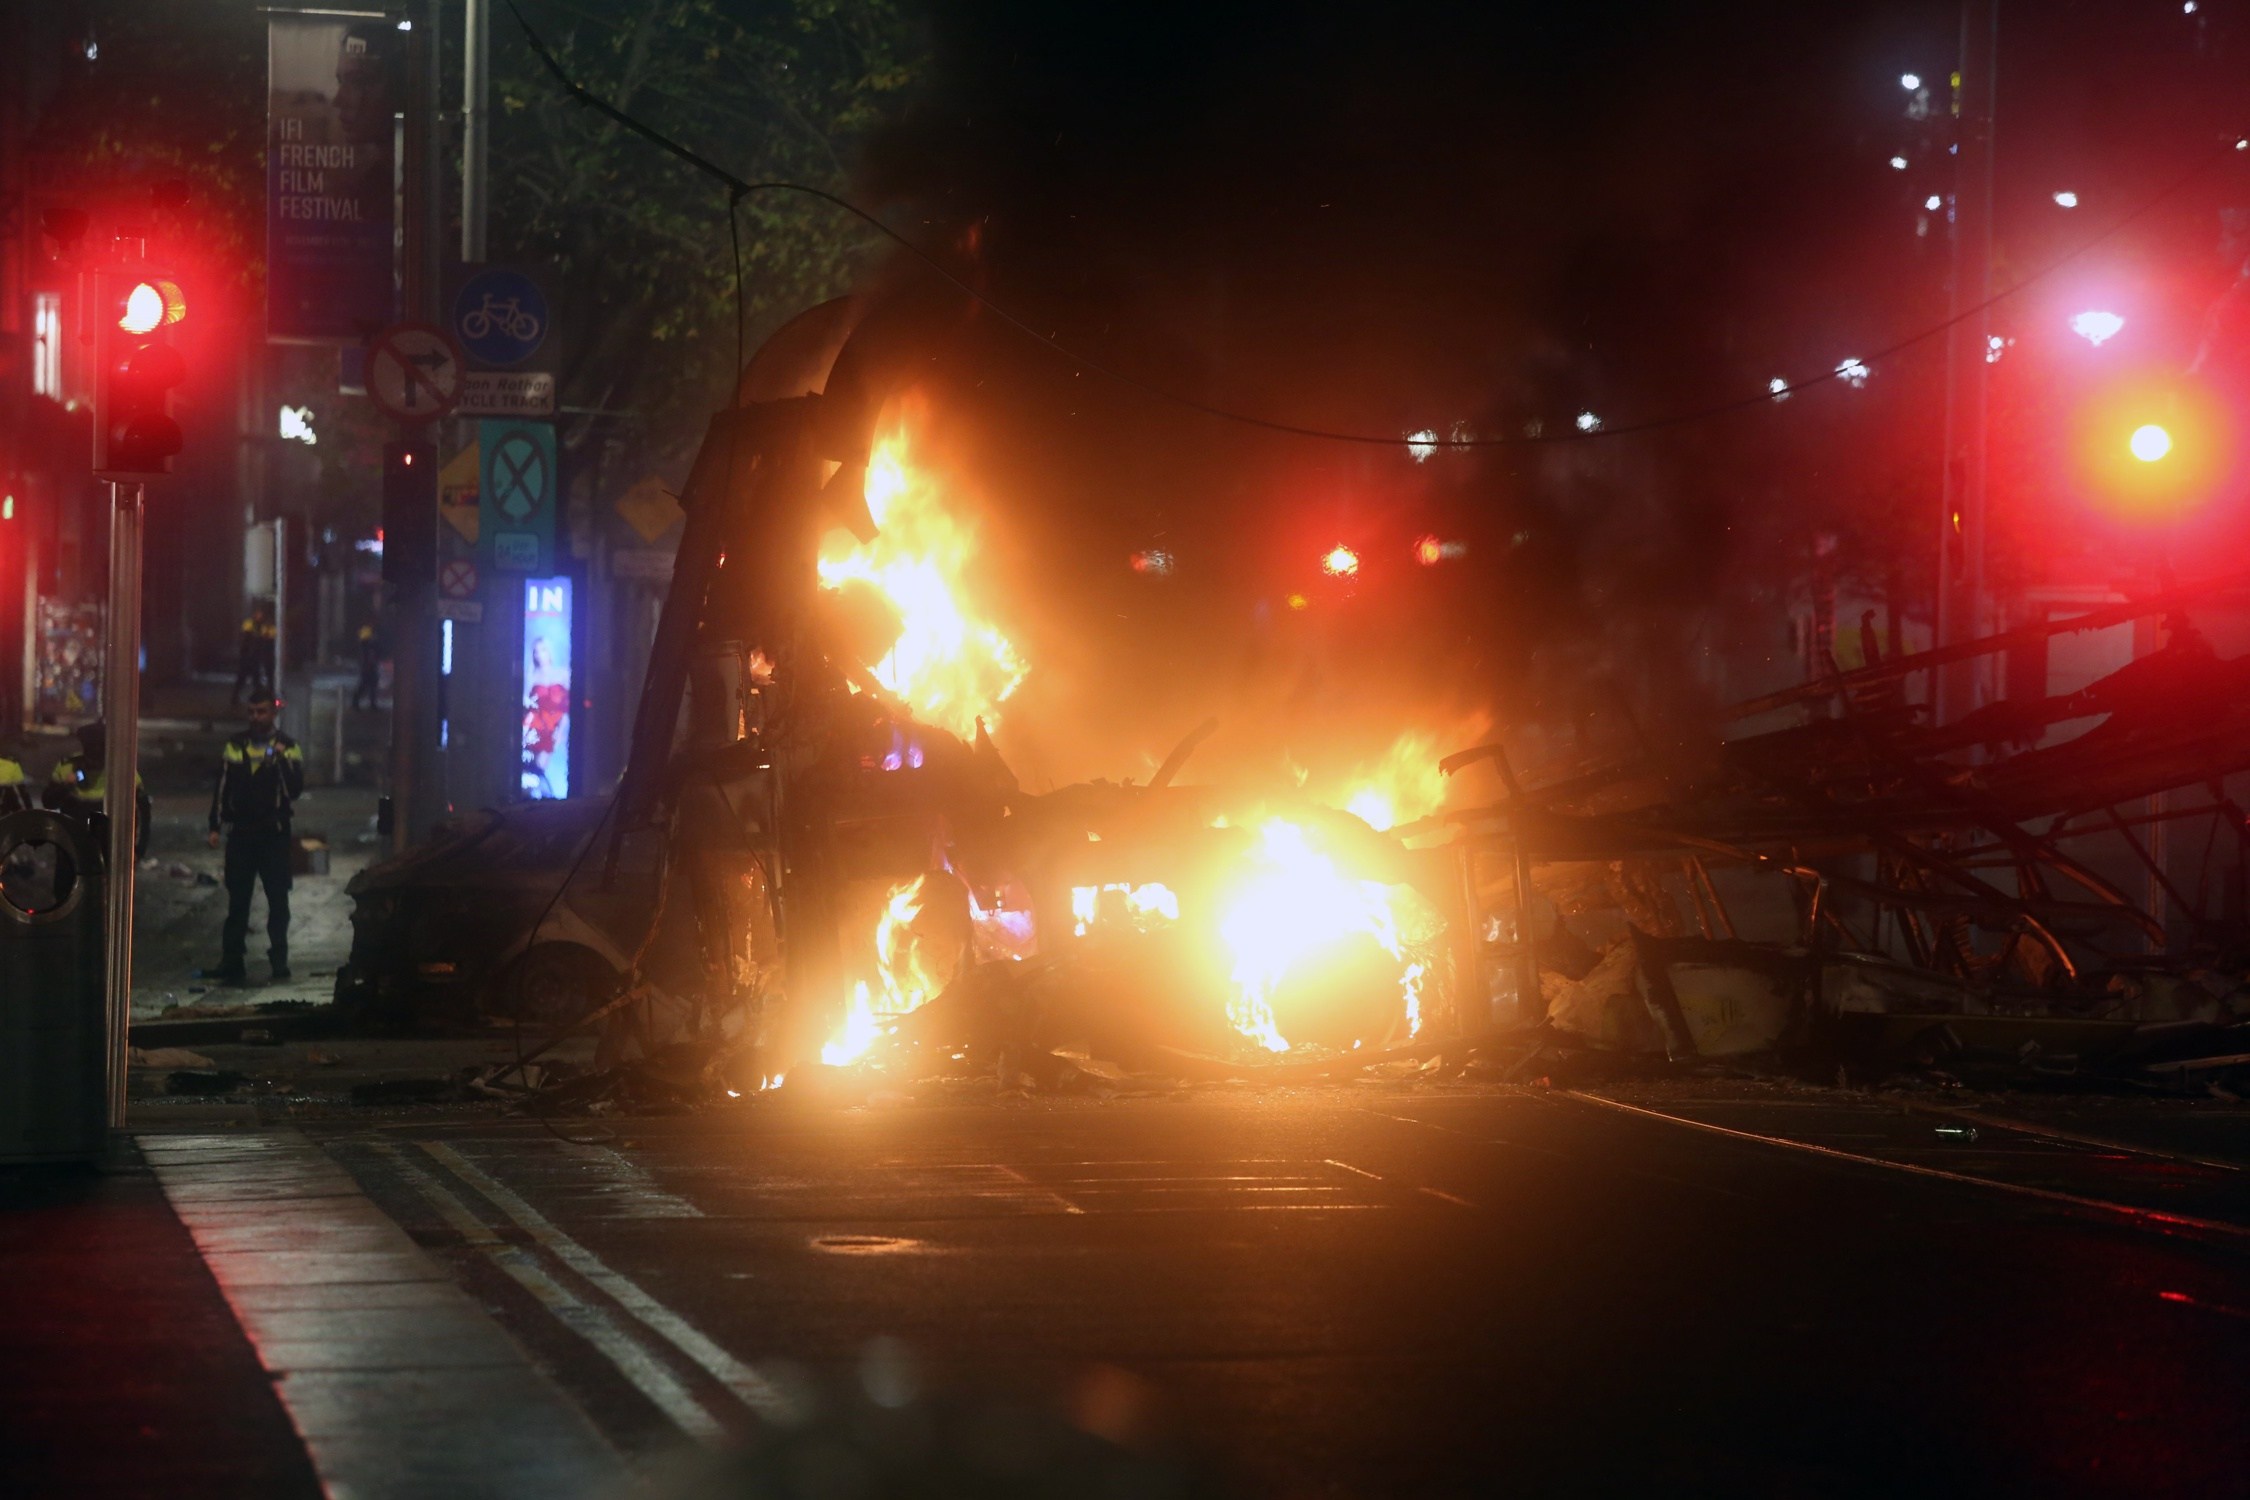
pixel 53 1090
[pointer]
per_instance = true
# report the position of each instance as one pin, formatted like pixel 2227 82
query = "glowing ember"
pixel 1294 908
pixel 948 664
pixel 1341 562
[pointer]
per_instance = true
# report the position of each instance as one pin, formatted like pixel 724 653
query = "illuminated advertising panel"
pixel 546 688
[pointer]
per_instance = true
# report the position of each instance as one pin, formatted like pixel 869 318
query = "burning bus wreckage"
pixel 818 874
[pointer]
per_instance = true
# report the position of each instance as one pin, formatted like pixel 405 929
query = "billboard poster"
pixel 546 688
pixel 333 86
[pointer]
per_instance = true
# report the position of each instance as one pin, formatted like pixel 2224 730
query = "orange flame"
pixel 1296 903
pixel 1403 784
pixel 910 971
pixel 949 664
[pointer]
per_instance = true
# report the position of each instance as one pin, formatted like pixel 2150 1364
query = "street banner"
pixel 516 495
pixel 545 769
pixel 333 84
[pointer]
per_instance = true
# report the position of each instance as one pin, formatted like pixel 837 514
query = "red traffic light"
pixel 135 436
pixel 151 305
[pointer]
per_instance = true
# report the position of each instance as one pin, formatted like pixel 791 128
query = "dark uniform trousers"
pixel 256 856
pixel 259 778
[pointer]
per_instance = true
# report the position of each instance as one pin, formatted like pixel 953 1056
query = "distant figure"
pixel 253 658
pixel 79 783
pixel 370 668
pixel 261 776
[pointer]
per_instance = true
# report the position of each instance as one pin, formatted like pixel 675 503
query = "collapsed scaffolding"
pixel 1941 885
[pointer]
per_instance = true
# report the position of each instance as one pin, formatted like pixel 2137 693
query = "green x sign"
pixel 516 495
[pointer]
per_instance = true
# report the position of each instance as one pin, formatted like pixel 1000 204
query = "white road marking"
pixel 1438 1193
pixel 2153 1218
pixel 751 1388
pixel 588 1321
pixel 1038 1190
pixel 2057 1133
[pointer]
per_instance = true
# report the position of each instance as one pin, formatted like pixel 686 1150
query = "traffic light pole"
pixel 121 714
pixel 1964 606
pixel 415 800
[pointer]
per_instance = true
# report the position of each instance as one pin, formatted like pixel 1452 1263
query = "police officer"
pixel 261 776
pixel 77 785
pixel 15 791
pixel 254 646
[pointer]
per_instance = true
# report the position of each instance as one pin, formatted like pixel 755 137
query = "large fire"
pixel 1293 910
pixel 1303 938
pixel 949 664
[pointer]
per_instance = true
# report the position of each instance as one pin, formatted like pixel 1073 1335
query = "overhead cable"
pixel 738 189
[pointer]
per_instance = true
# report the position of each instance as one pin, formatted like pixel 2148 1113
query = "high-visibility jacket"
pixel 77 789
pixel 258 782
pixel 15 791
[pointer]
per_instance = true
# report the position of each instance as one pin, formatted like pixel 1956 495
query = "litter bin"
pixel 53 1095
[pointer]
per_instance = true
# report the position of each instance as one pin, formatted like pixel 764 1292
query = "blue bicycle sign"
pixel 500 316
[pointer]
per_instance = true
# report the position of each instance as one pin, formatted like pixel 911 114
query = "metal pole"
pixel 1531 1001
pixel 280 608
pixel 1962 607
pixel 433 158
pixel 121 686
pixel 414 652
pixel 476 103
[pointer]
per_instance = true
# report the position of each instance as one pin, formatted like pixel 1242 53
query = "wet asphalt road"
pixel 1373 1292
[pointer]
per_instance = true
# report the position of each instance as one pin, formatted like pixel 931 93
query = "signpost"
pixel 457 579
pixel 414 372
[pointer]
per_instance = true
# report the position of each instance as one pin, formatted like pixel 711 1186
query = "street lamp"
pixel 2149 442
pixel 2097 326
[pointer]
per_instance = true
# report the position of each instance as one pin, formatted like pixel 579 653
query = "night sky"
pixel 1501 217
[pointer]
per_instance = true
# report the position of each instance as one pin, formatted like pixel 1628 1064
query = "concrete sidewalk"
pixel 128 1375
pixel 181 906
pixel 235 1318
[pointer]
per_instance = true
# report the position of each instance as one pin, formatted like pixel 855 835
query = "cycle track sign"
pixel 500 317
